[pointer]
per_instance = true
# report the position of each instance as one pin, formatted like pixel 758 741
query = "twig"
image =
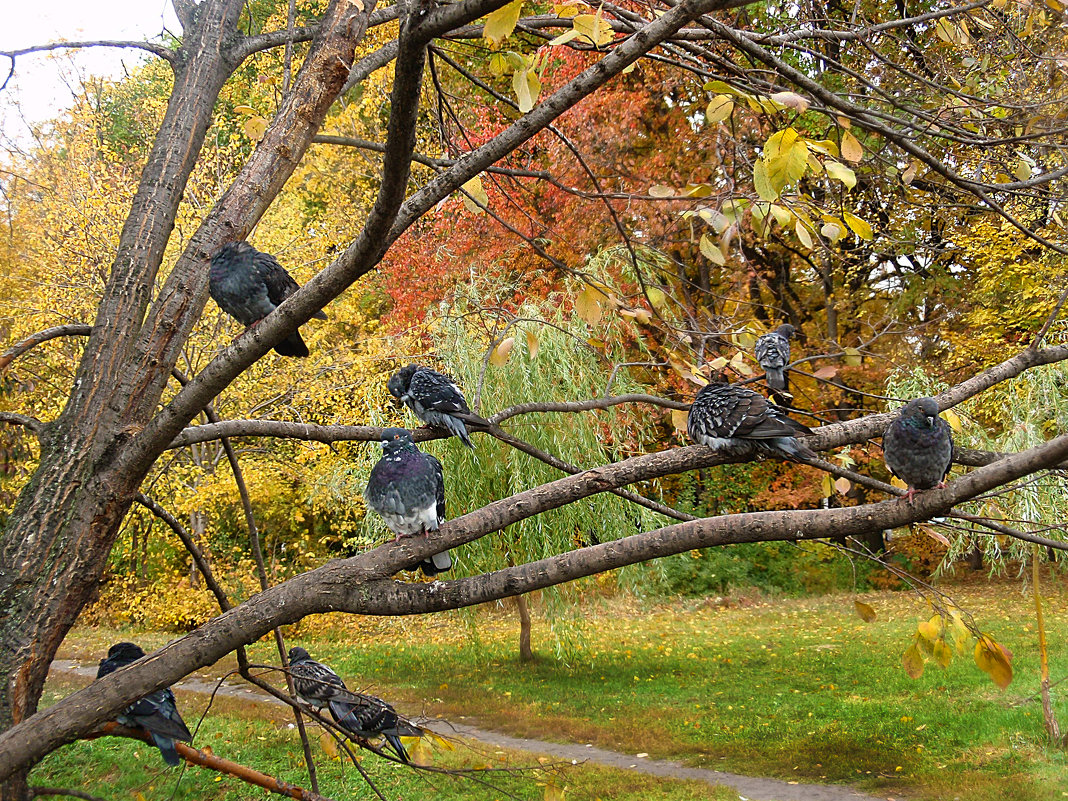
pixel 205 760
pixel 33 340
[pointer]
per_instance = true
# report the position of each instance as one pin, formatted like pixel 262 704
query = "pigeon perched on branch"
pixel 730 417
pixel 772 352
pixel 248 285
pixel 156 713
pixel 436 400
pixel 407 488
pixel 918 446
pixel 363 715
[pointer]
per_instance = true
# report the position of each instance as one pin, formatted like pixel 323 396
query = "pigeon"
pixel 407 488
pixel 772 352
pixel 730 417
pixel 435 400
pixel 156 713
pixel 363 715
pixel 248 285
pixel 918 446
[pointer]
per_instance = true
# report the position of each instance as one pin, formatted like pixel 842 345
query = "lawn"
pixel 798 689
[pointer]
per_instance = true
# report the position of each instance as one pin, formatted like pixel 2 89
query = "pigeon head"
pixel 395 440
pixel 125 651
pixel 922 411
pixel 230 251
pixel 298 654
pixel 786 331
pixel 400 381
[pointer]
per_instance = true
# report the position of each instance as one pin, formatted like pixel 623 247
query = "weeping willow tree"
pixel 549 359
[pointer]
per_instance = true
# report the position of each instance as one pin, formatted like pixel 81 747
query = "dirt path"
pixel 749 788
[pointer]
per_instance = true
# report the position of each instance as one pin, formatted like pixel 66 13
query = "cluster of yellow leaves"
pixel 944 634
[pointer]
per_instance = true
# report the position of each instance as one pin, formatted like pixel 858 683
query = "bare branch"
pixel 156 49
pixel 32 341
pixel 13 418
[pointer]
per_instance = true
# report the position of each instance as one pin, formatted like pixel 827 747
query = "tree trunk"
pixel 59 535
pixel 525 654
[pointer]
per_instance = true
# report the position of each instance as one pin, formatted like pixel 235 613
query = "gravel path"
pixel 750 788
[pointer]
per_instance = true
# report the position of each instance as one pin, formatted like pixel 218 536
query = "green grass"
pixel 795 689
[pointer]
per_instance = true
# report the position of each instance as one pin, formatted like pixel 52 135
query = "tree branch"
pixel 156 49
pixel 195 756
pixel 32 341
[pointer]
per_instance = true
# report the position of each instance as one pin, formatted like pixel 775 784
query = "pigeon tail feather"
pixel 166 749
pixel 775 378
pixel 292 345
pixel 398 746
pixel 438 563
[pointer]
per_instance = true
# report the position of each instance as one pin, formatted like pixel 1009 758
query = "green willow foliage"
pixel 1013 416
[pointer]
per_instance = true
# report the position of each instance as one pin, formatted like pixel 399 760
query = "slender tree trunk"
pixel 1049 716
pixel 525 654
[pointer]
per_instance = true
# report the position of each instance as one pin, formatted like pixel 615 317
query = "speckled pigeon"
pixel 730 417
pixel 407 488
pixel 435 399
pixel 248 285
pixel 772 352
pixel 918 446
pixel 364 715
pixel 156 713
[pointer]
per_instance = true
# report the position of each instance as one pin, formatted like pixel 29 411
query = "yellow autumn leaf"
pixel 326 742
pixel 842 173
pixel 589 305
pixel 679 419
pixel 500 354
pixel 255 128
pixel 711 251
pixel 864 611
pixel 992 659
pixel 719 109
pixel 827 486
pixel 912 661
pixel 943 654
pixel 953 419
pixel 858 226
pixel 532 344
pixel 527 88
pixel 476 199
pixel 842 485
pixel 500 24
pixel 851 148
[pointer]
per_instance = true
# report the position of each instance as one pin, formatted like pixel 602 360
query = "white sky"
pixel 42 85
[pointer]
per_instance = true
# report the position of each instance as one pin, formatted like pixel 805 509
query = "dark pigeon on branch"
pixel 772 353
pixel 156 713
pixel 436 400
pixel 918 446
pixel 363 715
pixel 730 417
pixel 407 488
pixel 248 285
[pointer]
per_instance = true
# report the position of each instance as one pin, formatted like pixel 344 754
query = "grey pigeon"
pixel 249 284
pixel 918 446
pixel 730 417
pixel 156 713
pixel 435 399
pixel 407 488
pixel 363 715
pixel 772 353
